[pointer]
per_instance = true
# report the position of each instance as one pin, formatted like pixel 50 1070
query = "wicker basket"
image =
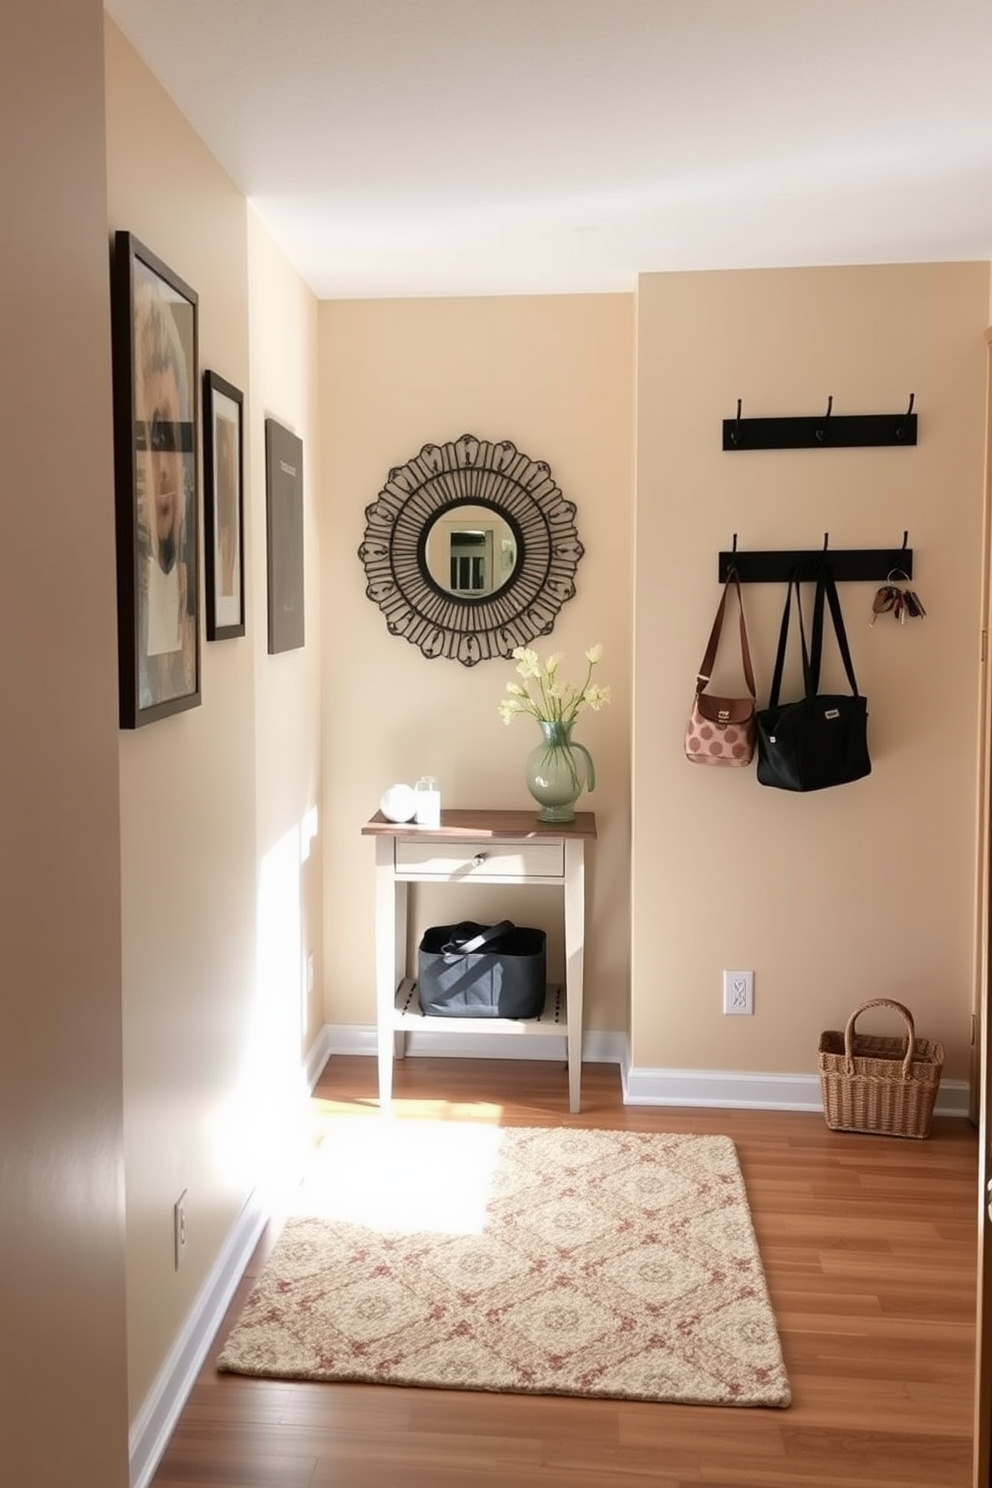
pixel 875 1084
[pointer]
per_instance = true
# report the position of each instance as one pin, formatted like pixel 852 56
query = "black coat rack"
pixel 778 565
pixel 821 431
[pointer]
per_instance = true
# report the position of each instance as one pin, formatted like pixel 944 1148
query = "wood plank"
pixel 869 1247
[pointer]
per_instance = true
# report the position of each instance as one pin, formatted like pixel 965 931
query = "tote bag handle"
pixel 456 950
pixel 783 642
pixel 825 597
pixel 826 587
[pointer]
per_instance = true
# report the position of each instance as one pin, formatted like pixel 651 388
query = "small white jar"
pixel 428 801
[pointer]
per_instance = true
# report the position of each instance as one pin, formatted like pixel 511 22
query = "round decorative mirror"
pixel 470 549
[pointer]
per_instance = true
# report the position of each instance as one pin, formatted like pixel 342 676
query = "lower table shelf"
pixel 481 848
pixel 552 1020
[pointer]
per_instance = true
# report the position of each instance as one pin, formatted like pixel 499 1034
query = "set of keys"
pixel 901 602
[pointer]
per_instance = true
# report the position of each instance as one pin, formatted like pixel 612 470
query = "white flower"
pixel 552 700
pixel 527 662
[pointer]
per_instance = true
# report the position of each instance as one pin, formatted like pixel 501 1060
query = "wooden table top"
pixel 515 825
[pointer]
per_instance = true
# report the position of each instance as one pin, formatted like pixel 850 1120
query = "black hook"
pixel 734 548
pixel 901 431
pixel 895 572
pixel 736 433
pixel 821 432
pixel 826 540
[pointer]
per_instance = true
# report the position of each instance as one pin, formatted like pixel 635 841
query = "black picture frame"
pixel 223 508
pixel 284 534
pixel 154 317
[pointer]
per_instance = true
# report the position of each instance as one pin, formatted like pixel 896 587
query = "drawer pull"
pixel 478 860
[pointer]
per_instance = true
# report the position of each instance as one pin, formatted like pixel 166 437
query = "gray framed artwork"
pixel 284 534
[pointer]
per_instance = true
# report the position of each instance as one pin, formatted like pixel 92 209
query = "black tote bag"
pixel 482 971
pixel 821 740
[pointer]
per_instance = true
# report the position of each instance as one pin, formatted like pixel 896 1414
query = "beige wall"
pixel 289 840
pixel 864 891
pixel 214 1019
pixel 554 376
pixel 63 1399
pixel 183 865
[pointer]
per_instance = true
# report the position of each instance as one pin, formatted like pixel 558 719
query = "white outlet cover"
pixel 738 993
pixel 179 1227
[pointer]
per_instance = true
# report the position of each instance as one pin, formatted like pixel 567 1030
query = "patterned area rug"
pixel 561 1262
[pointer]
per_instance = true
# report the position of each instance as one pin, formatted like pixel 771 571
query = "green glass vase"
pixel 558 771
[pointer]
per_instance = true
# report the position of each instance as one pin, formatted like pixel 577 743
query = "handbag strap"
pixel 826 587
pixel 809 685
pixel 457 950
pixel 709 659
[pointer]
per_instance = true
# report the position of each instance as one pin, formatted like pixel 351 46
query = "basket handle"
pixel 907 1016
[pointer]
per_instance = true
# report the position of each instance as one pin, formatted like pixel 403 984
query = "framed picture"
pixel 284 532
pixel 154 319
pixel 223 508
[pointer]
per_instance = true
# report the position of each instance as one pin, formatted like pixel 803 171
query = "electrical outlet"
pixel 738 992
pixel 179 1227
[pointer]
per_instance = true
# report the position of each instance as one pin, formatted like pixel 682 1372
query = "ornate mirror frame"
pixel 470 472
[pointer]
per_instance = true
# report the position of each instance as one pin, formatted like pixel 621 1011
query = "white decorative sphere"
pixel 399 803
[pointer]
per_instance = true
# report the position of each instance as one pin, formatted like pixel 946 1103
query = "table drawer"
pixel 471 860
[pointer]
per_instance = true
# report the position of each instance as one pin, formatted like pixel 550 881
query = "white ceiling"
pixel 440 147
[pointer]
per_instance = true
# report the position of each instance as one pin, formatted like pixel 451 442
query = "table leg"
pixel 574 964
pixel 390 947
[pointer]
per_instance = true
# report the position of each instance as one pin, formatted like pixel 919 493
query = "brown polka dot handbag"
pixel 720 730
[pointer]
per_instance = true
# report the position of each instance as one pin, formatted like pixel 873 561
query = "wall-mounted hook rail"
pixel 821 431
pixel 868 565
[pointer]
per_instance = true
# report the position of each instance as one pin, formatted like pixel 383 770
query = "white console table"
pixel 477 847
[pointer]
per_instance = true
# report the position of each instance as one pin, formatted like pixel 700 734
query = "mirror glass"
pixel 471 551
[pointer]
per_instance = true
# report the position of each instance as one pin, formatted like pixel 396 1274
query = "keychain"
pixel 884 600
pixel 901 602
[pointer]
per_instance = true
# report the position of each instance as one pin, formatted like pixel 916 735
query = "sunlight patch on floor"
pixel 402 1176
pixel 409 1109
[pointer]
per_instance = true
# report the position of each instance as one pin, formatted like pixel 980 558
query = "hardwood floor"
pixel 869 1247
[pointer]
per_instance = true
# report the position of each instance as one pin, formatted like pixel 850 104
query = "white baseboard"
pixel 751 1091
pixel 156 1420
pixel 318 1056
pixel 641 1086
